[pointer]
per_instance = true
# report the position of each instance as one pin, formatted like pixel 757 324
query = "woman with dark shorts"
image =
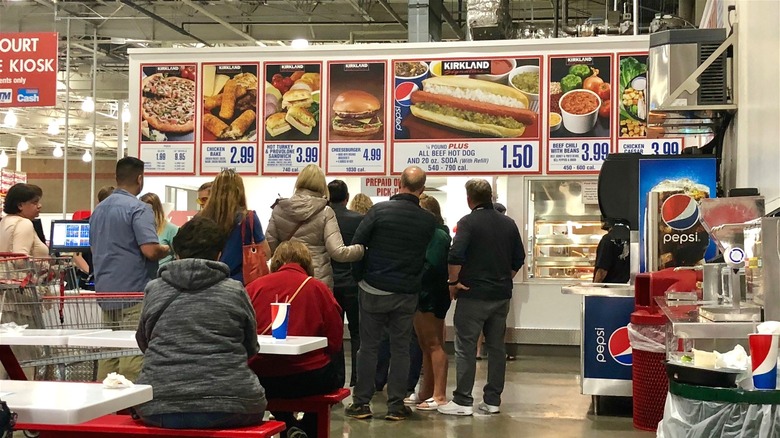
pixel 429 319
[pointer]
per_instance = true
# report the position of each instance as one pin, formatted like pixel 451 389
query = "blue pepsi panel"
pixel 677 212
pixel 605 346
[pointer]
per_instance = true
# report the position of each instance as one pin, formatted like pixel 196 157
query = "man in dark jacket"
pixel 485 256
pixel 345 288
pixel 396 234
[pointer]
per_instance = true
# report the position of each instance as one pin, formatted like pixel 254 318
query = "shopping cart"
pixel 33 293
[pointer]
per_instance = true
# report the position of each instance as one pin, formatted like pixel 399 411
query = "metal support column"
pixel 424 22
pixel 94 120
pixel 67 125
pixel 120 132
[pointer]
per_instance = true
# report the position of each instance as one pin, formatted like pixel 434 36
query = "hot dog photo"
pixel 292 102
pixel 229 102
pixel 452 99
pixel 580 96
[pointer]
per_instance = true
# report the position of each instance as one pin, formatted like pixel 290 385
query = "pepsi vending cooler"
pixel 605 349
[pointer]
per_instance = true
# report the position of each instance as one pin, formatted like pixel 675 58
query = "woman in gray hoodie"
pixel 197 331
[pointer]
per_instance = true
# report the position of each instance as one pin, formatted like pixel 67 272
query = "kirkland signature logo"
pixel 27 95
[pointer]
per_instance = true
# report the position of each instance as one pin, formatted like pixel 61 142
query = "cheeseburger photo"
pixel 356 114
pixel 473 105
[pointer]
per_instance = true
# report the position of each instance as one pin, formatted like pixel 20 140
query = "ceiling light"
pixel 54 127
pixel 57 152
pixel 89 137
pixel 10 119
pixel 88 105
pixel 299 43
pixel 22 145
pixel 126 114
pixel 87 157
pixel 3 159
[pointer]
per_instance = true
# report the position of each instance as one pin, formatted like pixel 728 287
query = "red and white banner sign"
pixel 28 69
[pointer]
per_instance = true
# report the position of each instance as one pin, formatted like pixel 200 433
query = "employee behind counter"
pixel 613 262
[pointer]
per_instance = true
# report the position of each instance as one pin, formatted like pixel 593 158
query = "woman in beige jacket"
pixel 306 217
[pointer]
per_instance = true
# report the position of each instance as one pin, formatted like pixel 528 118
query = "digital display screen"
pixel 70 235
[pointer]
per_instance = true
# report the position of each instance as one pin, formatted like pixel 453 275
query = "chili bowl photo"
pixel 580 110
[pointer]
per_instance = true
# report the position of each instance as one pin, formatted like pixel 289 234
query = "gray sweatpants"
pixel 471 318
pixel 379 312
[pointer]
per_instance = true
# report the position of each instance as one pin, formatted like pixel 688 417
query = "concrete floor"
pixel 542 399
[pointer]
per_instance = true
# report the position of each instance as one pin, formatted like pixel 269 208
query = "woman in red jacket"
pixel 313 312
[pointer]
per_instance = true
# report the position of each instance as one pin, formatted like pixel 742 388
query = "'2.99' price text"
pixel 242 155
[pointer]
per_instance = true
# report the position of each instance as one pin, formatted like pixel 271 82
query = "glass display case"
pixel 564 229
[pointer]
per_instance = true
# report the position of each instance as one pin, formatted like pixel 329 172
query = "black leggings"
pixel 315 382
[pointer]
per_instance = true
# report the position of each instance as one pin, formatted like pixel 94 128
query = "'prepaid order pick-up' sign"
pixel 28 69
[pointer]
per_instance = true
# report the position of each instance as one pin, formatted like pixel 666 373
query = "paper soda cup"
pixel 280 316
pixel 763 356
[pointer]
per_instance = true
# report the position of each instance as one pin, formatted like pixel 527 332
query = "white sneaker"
pixel 453 408
pixel 488 409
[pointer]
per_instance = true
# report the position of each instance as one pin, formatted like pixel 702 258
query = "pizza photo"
pixel 168 104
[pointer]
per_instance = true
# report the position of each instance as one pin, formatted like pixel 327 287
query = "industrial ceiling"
pixel 102 31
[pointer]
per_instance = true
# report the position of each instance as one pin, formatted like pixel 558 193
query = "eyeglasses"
pixel 202 200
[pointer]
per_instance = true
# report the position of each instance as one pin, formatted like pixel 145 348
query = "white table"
pixel 113 339
pixel 293 345
pixel 43 336
pixel 68 402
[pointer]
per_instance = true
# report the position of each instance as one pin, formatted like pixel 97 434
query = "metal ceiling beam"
pixel 224 23
pixel 393 13
pixel 363 13
pixel 165 22
pixel 445 14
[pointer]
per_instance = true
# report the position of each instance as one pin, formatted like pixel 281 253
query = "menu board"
pixel 292 117
pixel 229 118
pixel 474 115
pixel 357 118
pixel 633 110
pixel 167 129
pixel 580 113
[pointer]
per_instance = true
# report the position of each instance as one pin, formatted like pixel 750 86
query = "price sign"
pixel 577 156
pixel 503 157
pixel 281 158
pixel 240 156
pixel 355 158
pixel 655 146
pixel 168 158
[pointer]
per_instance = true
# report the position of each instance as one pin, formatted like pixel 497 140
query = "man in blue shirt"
pixel 124 243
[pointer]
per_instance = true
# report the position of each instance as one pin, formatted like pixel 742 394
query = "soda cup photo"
pixel 763 355
pixel 280 316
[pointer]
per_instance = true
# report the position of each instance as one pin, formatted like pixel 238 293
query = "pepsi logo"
pixel 680 212
pixel 403 93
pixel 620 347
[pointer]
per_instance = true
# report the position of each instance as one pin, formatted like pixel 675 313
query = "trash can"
pixel 647 333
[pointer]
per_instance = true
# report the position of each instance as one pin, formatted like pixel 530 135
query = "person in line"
pixel 361 204
pixel 613 263
pixel 83 260
pixel 396 234
pixel 307 218
pixel 227 207
pixel 204 193
pixel 345 288
pixel 22 205
pixel 431 311
pixel 125 249
pixel 17 235
pixel 37 224
pixel 197 331
pixel 313 312
pixel 486 254
pixel 165 230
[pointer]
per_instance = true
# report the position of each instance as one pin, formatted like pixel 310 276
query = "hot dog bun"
pixel 473 105
pixel 465 125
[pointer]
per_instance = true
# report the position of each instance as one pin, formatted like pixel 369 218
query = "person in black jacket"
pixel 486 254
pixel 345 288
pixel 396 234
